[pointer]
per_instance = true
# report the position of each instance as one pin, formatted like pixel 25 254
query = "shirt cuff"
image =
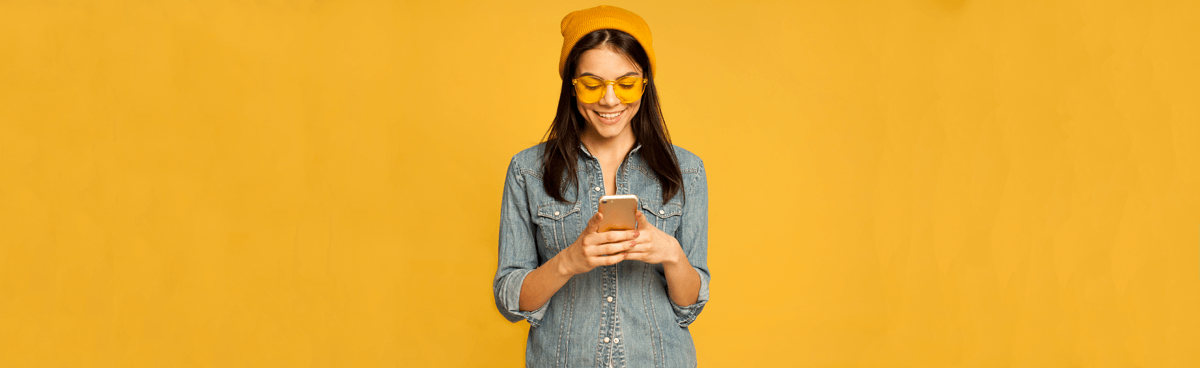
pixel 685 315
pixel 511 292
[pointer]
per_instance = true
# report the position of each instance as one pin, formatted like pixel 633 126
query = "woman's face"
pixel 609 117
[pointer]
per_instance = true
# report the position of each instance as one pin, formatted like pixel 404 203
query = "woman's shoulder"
pixel 688 162
pixel 528 159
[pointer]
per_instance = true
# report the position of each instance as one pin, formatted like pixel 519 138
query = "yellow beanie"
pixel 581 22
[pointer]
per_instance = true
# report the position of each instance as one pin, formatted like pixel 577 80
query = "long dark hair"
pixel 649 128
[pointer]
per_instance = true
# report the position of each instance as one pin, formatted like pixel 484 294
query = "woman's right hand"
pixel 594 249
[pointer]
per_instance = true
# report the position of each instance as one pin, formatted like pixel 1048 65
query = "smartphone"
pixel 618 212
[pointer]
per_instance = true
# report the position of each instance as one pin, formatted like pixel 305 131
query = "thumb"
pixel 642 222
pixel 593 224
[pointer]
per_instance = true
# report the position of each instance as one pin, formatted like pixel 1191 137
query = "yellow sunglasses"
pixel 589 89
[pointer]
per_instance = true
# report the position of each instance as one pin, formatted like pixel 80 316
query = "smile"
pixel 610 116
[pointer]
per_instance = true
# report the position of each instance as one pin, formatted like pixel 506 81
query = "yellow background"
pixel 892 184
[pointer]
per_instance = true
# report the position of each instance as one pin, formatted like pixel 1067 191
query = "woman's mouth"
pixel 610 118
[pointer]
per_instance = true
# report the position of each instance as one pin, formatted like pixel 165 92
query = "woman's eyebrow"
pixel 597 76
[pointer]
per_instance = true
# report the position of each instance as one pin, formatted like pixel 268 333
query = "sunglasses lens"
pixel 589 89
pixel 629 89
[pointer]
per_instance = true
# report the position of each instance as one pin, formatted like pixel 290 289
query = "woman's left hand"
pixel 654 246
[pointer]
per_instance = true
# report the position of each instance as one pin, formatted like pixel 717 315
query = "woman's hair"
pixel 649 128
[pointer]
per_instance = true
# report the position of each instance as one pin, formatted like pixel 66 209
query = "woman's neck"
pixel 608 148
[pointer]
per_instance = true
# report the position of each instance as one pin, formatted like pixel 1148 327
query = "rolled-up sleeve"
pixel 517 255
pixel 693 238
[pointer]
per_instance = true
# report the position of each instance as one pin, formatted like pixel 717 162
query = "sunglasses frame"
pixel 605 83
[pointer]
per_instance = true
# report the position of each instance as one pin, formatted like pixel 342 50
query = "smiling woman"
pixel 620 298
pixel 599 115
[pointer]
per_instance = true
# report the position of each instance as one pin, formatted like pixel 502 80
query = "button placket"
pixel 609 321
pixel 598 177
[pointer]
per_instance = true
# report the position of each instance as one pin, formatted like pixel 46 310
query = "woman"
pixel 616 298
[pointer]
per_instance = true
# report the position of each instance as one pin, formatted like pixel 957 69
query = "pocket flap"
pixel 557 211
pixel 662 210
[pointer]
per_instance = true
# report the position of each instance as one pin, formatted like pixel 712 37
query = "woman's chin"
pixel 609 131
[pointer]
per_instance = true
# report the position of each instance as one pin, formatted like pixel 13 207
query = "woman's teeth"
pixel 611 115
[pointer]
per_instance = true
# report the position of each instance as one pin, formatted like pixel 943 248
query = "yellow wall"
pixel 893 184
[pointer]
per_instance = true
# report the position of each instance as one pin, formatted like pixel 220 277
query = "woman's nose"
pixel 610 97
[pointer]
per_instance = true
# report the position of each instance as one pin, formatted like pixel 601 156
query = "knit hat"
pixel 581 22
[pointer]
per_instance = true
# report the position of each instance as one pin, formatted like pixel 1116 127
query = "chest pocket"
pixel 559 224
pixel 665 217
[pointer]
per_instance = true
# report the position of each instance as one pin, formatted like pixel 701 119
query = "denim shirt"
pixel 611 316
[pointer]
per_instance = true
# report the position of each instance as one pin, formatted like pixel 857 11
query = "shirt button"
pixel 610 299
pixel 556 213
pixel 605 339
pixel 617 340
pixel 597 189
pixel 659 212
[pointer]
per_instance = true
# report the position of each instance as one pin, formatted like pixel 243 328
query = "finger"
pixel 614 248
pixel 595 251
pixel 621 235
pixel 609 237
pixel 608 248
pixel 646 237
pixel 639 247
pixel 642 222
pixel 593 223
pixel 614 259
pixel 643 236
pixel 606 260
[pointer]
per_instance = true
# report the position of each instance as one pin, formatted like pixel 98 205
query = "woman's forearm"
pixel 683 282
pixel 541 284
